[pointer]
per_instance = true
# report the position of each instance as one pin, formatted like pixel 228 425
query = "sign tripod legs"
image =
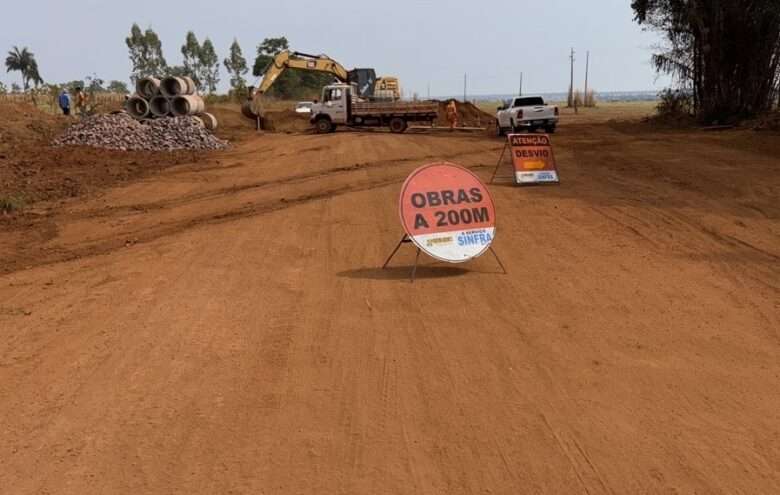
pixel 498 260
pixel 416 259
pixel 500 160
pixel 405 239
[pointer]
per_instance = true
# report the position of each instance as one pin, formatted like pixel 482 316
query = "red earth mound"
pixel 468 115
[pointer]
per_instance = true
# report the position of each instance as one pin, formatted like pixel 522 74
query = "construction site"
pixel 193 300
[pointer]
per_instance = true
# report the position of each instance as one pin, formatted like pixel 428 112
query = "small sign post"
pixel 448 213
pixel 533 160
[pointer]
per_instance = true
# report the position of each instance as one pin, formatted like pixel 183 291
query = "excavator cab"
pixel 365 80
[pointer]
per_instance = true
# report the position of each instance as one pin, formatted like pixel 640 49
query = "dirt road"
pixel 223 327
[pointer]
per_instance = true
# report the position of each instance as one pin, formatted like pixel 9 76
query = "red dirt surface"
pixel 224 326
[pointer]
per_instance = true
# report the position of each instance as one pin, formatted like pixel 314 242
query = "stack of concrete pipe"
pixel 169 97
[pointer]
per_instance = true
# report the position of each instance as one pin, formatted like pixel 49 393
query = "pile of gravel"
pixel 122 132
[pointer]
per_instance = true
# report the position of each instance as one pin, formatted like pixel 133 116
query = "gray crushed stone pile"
pixel 123 133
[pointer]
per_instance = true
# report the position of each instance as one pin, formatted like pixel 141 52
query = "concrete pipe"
pixel 191 88
pixel 174 86
pixel 160 106
pixel 209 121
pixel 198 121
pixel 187 105
pixel 137 107
pixel 147 87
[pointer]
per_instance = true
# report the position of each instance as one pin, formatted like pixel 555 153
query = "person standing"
pixel 452 114
pixel 64 102
pixel 81 102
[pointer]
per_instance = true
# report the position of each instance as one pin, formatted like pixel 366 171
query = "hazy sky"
pixel 420 42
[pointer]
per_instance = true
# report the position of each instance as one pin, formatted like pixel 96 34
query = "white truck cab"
pixel 526 113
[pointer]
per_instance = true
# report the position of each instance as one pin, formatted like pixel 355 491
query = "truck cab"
pixel 334 108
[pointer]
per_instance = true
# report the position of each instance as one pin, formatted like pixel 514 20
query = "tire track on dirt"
pixel 293 179
pixel 145 234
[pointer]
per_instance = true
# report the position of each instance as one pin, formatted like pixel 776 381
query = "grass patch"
pixel 9 204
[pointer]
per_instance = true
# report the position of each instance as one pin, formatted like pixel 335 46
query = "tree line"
pixel 201 63
pixel 724 56
pixel 22 60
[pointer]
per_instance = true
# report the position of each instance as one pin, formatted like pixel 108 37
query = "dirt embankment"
pixel 468 115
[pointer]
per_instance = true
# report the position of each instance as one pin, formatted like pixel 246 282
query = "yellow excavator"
pixel 367 85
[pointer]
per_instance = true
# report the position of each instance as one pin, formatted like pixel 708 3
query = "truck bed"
pixel 395 109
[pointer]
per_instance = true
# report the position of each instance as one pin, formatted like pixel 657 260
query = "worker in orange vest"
pixel 81 102
pixel 452 114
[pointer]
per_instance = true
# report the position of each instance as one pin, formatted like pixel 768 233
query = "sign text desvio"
pixel 533 158
pixel 448 212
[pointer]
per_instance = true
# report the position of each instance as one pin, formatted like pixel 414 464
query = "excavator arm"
pixel 364 80
pixel 296 60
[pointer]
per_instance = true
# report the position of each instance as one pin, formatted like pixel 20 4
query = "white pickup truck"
pixel 526 113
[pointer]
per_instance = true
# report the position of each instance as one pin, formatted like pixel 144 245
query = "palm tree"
pixel 24 62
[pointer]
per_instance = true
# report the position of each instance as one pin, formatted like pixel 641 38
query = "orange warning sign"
pixel 533 158
pixel 447 212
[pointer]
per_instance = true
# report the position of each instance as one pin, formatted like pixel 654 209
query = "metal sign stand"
pixel 498 164
pixel 405 239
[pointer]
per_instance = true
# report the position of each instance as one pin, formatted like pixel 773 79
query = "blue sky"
pixel 420 42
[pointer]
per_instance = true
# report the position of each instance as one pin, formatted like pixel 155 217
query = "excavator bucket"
pixel 254 109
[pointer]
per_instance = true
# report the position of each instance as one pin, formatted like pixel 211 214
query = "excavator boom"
pixel 296 60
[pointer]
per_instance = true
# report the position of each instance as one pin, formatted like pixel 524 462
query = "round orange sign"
pixel 448 212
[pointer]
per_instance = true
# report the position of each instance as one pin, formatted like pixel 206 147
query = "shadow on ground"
pixel 404 272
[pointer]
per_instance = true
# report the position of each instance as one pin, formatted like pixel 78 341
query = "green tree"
pixel 94 84
pixel 266 51
pixel 191 51
pixel 146 53
pixel 3 88
pixel 15 88
pixel 117 87
pixel 23 61
pixel 725 53
pixel 288 85
pixel 293 83
pixel 209 66
pixel 236 67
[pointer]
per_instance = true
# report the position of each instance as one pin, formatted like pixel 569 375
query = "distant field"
pixel 601 113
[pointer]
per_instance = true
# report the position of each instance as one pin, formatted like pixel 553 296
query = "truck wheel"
pixel 323 126
pixel 500 130
pixel 550 129
pixel 397 125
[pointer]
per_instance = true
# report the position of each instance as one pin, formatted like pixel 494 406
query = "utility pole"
pixel 429 91
pixel 587 67
pixel 521 85
pixel 571 84
pixel 465 86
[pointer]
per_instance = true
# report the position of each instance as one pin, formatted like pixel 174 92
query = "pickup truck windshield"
pixel 529 102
